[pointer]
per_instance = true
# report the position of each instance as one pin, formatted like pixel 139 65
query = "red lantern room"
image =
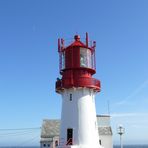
pixel 77 65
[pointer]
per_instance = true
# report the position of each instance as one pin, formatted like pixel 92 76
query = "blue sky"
pixel 29 61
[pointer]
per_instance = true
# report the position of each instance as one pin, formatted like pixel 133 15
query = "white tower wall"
pixel 79 114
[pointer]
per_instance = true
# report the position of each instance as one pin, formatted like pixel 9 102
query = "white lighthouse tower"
pixel 77 87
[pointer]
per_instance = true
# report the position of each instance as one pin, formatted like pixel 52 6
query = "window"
pixel 85 58
pixel 70 97
pixel 56 143
pixel 69 136
pixel 44 145
pixel 63 60
pixel 93 60
pixel 100 142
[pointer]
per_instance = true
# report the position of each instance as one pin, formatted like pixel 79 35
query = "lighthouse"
pixel 78 88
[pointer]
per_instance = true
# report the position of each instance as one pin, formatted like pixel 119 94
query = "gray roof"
pixel 51 128
pixel 105 130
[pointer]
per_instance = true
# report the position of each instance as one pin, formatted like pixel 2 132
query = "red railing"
pixel 63 144
pixel 70 141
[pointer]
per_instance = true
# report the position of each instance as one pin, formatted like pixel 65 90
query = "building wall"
pixel 106 141
pixel 50 144
pixel 45 145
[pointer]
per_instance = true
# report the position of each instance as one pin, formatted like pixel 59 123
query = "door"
pixel 69 136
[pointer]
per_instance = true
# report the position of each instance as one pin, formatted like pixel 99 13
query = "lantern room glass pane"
pixel 63 60
pixel 93 60
pixel 85 58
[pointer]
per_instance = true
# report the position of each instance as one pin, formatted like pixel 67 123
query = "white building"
pixel 51 129
pixel 105 131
